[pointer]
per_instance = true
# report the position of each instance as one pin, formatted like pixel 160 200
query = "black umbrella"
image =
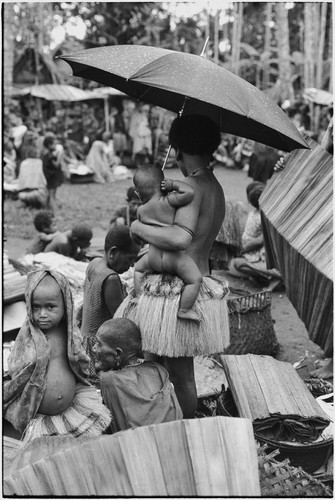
pixel 178 80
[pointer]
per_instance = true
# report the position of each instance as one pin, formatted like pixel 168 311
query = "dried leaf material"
pixel 274 397
pixel 297 218
pixel 202 457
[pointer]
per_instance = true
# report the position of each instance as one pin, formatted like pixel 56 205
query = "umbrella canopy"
pixel 165 77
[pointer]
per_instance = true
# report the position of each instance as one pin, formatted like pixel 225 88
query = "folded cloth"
pixel 86 416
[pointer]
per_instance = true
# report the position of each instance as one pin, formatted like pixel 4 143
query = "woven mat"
pixel 209 376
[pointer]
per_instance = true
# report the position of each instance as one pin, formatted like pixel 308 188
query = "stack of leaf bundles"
pixel 274 397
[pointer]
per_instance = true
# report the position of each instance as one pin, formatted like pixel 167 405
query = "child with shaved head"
pixel 136 391
pixel 49 393
pixel 161 199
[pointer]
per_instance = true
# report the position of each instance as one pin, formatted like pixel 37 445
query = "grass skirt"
pixel 163 333
pixel 86 416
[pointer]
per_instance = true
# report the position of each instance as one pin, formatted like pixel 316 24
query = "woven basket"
pixel 251 324
pixel 308 456
pixel 280 479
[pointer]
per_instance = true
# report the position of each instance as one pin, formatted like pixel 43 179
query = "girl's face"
pixel 106 355
pixel 47 304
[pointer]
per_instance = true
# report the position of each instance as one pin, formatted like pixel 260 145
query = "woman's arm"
pixel 254 244
pixel 179 193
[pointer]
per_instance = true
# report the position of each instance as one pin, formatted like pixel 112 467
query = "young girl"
pixel 49 393
pixel 137 392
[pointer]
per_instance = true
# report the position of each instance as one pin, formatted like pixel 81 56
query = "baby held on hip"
pixel 159 209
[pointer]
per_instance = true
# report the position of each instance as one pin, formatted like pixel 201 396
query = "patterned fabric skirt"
pixel 89 343
pixel 86 416
pixel 163 333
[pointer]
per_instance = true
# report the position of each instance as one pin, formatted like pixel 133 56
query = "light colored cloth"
pixel 163 333
pixel 97 161
pixel 28 361
pixel 86 416
pixel 31 174
pixel 253 229
pixel 138 395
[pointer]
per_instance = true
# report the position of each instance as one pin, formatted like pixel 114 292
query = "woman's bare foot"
pixel 325 371
pixel 188 314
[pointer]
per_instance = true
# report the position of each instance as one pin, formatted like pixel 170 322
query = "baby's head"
pixel 82 235
pixel 47 304
pixel 120 250
pixel 147 181
pixel 194 135
pixel 45 222
pixel 254 193
pixel 118 341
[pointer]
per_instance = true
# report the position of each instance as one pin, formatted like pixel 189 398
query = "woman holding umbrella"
pixel 194 139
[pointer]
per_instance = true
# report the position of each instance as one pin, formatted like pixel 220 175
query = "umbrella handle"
pixel 166 157
pixel 204 48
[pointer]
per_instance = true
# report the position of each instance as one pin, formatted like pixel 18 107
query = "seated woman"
pixel 252 262
pixel 136 391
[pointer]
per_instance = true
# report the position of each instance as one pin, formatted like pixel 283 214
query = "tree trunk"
pixel 216 37
pixel 267 45
pixel 236 39
pixel 8 52
pixel 284 53
pixel 308 47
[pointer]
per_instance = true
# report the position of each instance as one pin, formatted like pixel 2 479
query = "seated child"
pixel 137 392
pixel 72 243
pixel 125 215
pixel 46 225
pixel 49 393
pixel 103 290
pixel 159 209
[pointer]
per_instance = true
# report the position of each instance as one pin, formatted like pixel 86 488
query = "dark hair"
pixel 82 232
pixel 123 333
pixel 119 236
pixel 252 185
pixel 194 135
pixel 43 219
pixel 132 194
pixel 255 194
pixel 48 140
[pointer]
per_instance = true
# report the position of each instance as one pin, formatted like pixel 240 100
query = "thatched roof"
pixel 26 73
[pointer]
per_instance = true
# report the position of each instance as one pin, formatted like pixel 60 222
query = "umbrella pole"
pixel 181 112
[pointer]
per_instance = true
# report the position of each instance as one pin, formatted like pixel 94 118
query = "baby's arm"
pixel 48 237
pixel 179 193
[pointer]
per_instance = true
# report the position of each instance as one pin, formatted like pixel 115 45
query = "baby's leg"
pixel 140 266
pixel 188 271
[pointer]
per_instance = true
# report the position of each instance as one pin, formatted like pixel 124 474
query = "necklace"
pixel 199 170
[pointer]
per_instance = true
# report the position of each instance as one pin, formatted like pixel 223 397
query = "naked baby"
pixel 49 393
pixel 161 199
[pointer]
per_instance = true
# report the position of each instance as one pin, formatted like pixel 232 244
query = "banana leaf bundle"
pixel 202 457
pixel 297 219
pixel 274 397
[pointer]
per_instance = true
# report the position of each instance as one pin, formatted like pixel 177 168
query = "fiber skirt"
pixel 163 333
pixel 86 416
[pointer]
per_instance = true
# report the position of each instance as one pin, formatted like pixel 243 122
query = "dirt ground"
pixel 290 331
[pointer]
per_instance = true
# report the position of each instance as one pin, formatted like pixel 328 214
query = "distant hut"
pixel 35 68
